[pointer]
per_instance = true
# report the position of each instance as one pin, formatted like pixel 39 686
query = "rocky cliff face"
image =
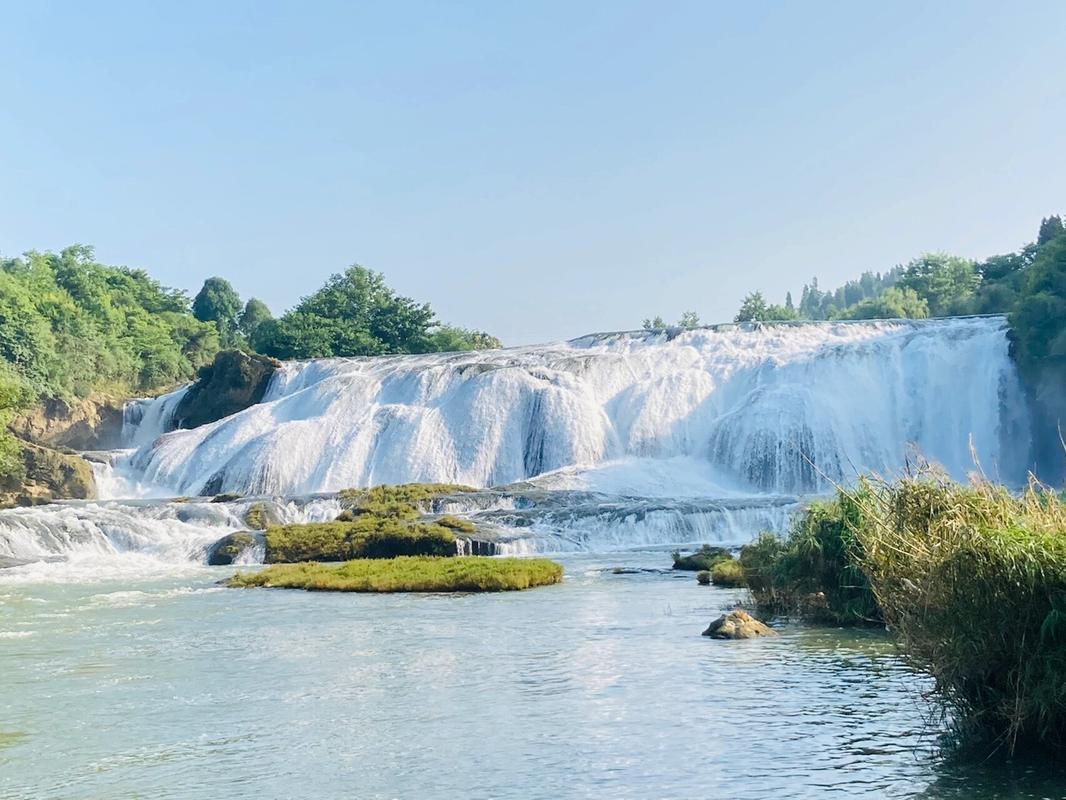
pixel 94 423
pixel 231 383
pixel 46 475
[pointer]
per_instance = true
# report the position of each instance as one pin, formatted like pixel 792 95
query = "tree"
pixel 255 313
pixel 689 320
pixel 218 302
pixel 1038 320
pixel 892 303
pixel 753 309
pixel 1050 228
pixel 654 324
pixel 788 303
pixel 354 314
pixel 450 338
pixel 946 282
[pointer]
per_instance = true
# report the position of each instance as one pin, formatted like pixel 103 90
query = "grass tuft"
pixel 973 581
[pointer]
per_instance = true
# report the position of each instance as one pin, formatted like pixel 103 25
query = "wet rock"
pixel 738 625
pixel 261 516
pixel 232 547
pixel 232 382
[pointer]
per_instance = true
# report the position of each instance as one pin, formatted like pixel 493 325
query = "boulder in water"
pixel 738 625
pixel 261 516
pixel 234 381
pixel 231 547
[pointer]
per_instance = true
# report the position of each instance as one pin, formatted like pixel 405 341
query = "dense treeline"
pixel 933 285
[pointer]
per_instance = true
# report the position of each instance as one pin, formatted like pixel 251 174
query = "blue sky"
pixel 537 170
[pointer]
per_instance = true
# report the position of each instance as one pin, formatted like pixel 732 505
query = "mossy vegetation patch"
pixel 727 573
pixel 381 522
pixel 408 574
pixel 703 559
pixel 366 537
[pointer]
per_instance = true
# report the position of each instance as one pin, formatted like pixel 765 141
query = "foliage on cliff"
pixel 70 325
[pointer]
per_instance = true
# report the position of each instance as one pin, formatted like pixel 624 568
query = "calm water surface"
pixel 601 687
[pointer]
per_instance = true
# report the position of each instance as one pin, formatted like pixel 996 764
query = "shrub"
pixel 727 573
pixel 814 572
pixel 973 580
pixel 462 574
pixel 703 577
pixel 703 559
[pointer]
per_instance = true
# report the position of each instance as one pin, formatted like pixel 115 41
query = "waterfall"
pixel 758 409
pixel 612 440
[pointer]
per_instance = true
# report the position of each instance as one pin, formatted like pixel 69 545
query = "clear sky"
pixel 538 170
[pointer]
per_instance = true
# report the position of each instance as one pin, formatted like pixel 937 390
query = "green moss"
pixel 727 573
pixel 456 524
pixel 411 494
pixel 227 497
pixel 260 517
pixel 462 574
pixel 703 559
pixel 703 577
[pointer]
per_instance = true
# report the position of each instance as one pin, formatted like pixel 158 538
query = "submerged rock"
pixel 738 625
pixel 232 382
pixel 231 548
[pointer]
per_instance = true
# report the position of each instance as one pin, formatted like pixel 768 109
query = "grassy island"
pixel 408 574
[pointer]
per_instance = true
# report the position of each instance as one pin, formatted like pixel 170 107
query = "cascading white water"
pixel 144 420
pixel 763 408
pixel 616 440
pixel 88 535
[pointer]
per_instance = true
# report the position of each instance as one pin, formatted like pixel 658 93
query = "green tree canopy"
pixel 217 302
pixel 946 282
pixel 354 314
pixel 255 313
pixel 892 303
pixel 69 326
pixel 753 309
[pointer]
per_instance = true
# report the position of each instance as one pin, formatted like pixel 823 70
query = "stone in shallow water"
pixel 738 625
pixel 230 548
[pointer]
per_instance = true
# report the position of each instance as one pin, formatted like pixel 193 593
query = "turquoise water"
pixel 172 687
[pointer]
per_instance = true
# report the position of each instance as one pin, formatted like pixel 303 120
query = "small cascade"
pixel 146 419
